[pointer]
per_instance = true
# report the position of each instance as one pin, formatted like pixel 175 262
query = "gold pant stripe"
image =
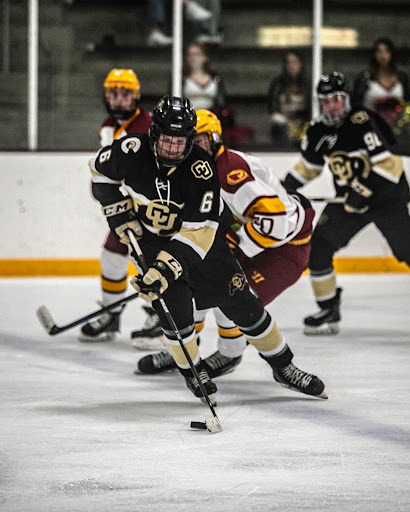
pixel 178 353
pixel 272 339
pixel 114 286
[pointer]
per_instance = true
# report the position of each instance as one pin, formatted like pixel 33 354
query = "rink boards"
pixel 52 227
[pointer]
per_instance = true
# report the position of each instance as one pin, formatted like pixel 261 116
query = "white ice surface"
pixel 80 432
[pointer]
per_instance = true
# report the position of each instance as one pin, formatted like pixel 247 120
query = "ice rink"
pixel 80 432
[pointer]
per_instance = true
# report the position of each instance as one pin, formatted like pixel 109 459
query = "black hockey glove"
pixel 357 198
pixel 162 273
pixel 122 216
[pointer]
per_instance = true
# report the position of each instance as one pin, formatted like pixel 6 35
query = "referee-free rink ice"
pixel 80 432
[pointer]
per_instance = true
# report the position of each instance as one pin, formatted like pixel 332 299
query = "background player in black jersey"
pixel 355 143
pixel 173 206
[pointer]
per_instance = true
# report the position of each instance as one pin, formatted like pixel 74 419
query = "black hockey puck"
pixel 198 424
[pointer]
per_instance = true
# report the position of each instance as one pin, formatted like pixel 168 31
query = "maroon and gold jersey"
pixel 269 216
pixel 111 129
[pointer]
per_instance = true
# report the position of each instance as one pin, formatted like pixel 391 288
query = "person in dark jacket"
pixel 289 102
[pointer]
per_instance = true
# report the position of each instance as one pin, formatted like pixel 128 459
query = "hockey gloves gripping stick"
pixel 163 272
pixel 212 423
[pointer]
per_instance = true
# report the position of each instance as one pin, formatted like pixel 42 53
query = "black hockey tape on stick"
pixel 212 424
pixel 198 424
pixel 47 321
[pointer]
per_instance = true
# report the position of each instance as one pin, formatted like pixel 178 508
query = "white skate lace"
pixel 162 359
pixel 296 376
pixel 203 376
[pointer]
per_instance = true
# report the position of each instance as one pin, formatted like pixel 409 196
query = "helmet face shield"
pixel 170 148
pixel 172 127
pixel 334 108
pixel 121 93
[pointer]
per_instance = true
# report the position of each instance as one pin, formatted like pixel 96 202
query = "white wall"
pixel 47 210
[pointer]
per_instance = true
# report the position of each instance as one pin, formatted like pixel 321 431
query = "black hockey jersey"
pixel 358 151
pixel 179 211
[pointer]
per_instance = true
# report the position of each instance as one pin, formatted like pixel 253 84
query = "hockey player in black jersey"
pixel 166 189
pixel 355 143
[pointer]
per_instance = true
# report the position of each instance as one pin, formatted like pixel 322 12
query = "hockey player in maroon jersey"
pixel 121 98
pixel 173 206
pixel 355 144
pixel 271 241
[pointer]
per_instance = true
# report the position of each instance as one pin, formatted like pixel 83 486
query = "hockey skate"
pixel 156 363
pixel 291 377
pixel 209 386
pixel 103 328
pixel 150 337
pixel 325 321
pixel 217 364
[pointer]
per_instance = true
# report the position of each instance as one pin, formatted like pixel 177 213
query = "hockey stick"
pixel 212 424
pixel 46 320
pixel 337 199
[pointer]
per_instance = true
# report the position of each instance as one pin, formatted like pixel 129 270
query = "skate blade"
pixel 212 399
pixel 108 336
pixel 332 329
pixel 137 371
pixel 323 395
pixel 148 343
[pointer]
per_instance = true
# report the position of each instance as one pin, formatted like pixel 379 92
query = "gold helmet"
pixel 208 123
pixel 121 79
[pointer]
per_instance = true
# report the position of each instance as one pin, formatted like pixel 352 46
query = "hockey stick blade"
pixel 46 320
pixel 211 424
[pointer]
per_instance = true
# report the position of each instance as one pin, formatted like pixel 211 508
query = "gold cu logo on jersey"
pixel 161 216
pixel 237 283
pixel 345 166
pixel 202 169
pixel 236 176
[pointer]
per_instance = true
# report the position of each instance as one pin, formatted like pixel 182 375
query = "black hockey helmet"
pixel 332 84
pixel 175 117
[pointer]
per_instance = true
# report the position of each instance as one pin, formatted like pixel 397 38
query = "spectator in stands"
pixel 289 102
pixel 193 12
pixel 204 88
pixel 206 91
pixel 382 87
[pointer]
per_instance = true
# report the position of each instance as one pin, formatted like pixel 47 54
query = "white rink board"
pixel 48 211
